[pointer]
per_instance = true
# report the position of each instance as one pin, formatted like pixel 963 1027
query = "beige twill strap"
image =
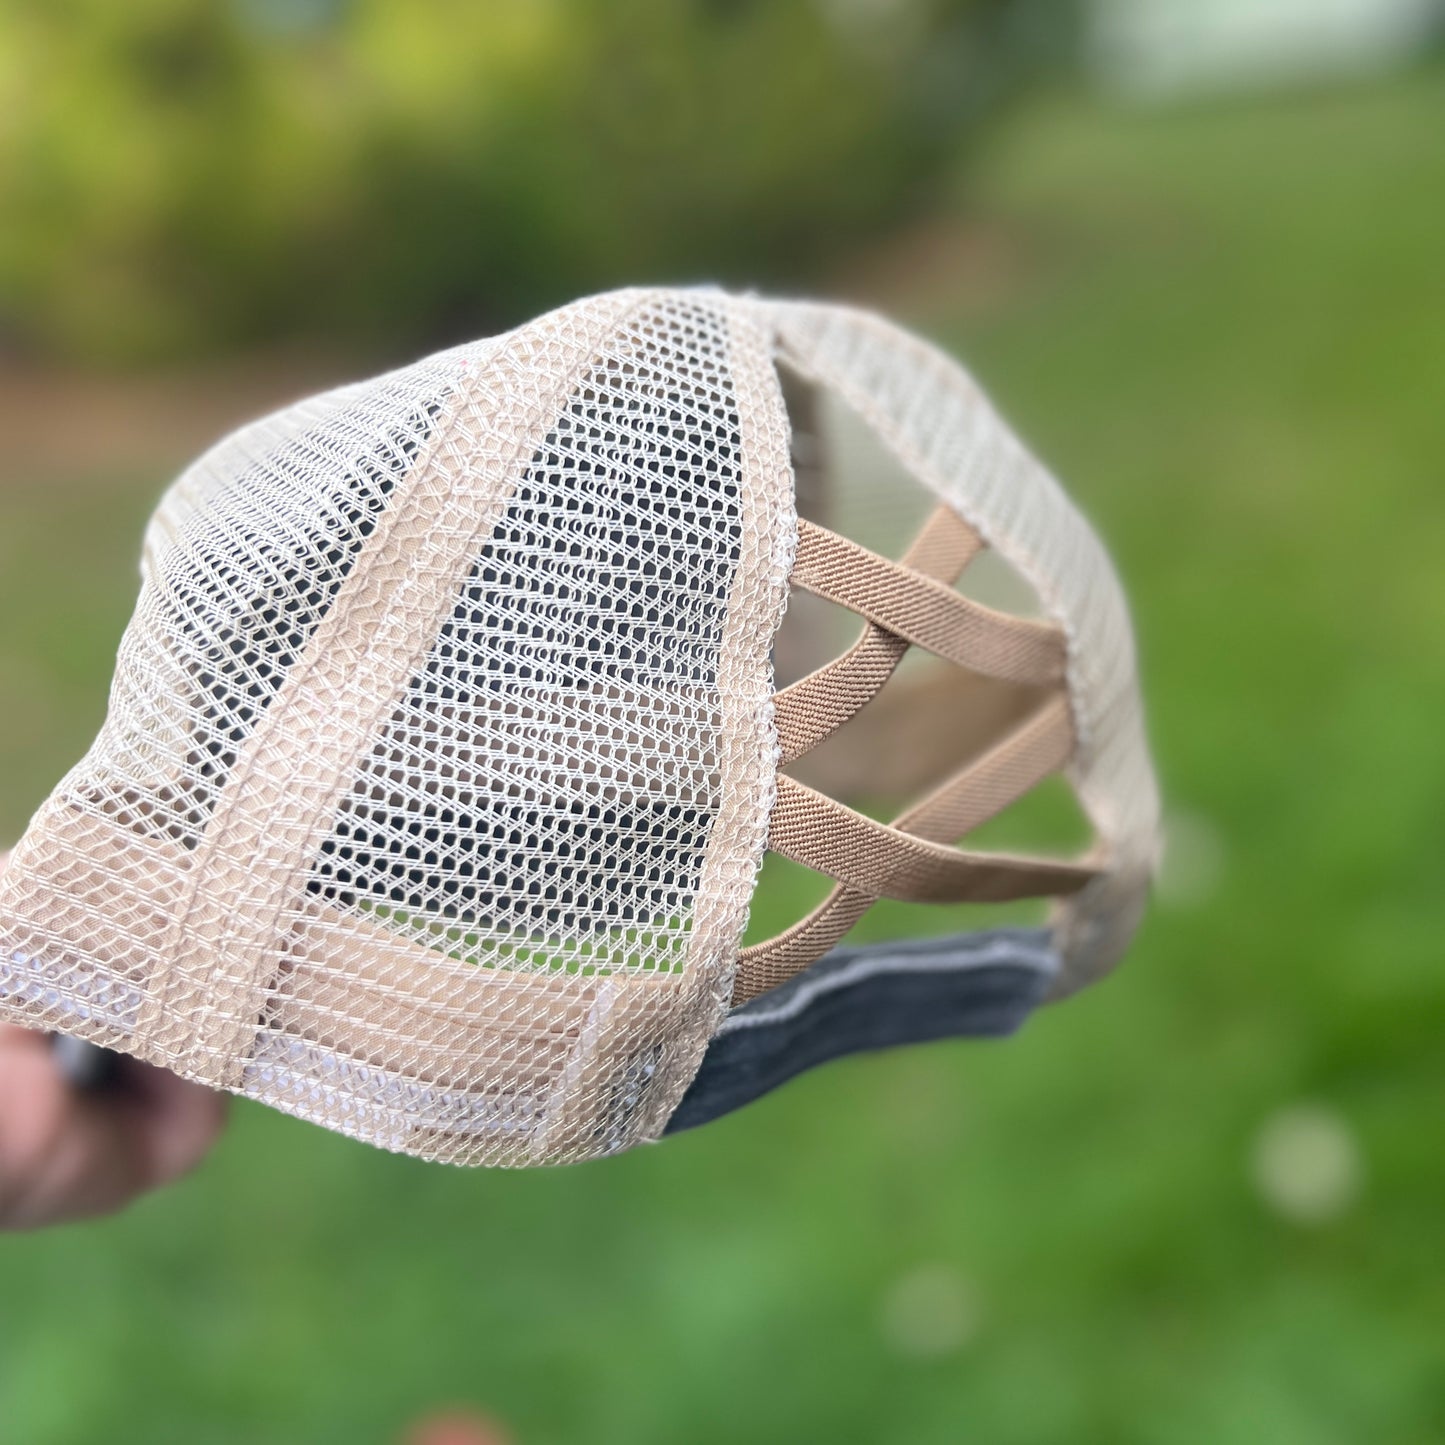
pixel 926 613
pixel 909 603
pixel 816 706
pixel 1039 747
pixel 888 862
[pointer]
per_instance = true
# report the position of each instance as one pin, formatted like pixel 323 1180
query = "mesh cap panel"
pixel 441 755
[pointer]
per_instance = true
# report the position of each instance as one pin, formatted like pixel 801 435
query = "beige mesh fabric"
pixel 927 410
pixel 442 751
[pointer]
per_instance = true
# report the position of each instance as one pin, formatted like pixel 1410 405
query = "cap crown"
pixel 442 751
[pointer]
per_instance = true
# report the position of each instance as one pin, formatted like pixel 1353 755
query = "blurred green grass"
pixel 1227 330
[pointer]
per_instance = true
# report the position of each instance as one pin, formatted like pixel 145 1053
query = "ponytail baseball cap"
pixel 458 713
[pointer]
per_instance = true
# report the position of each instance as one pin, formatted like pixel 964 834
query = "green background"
pixel 1225 327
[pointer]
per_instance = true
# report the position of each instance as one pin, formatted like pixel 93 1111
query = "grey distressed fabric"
pixel 978 985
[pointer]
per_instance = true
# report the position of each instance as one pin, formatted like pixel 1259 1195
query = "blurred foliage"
pixel 1227 327
pixel 178 174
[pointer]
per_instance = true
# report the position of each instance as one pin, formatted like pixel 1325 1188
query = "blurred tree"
pixel 179 174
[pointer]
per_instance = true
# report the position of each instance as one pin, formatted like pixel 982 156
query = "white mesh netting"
pixel 440 756
pixel 444 704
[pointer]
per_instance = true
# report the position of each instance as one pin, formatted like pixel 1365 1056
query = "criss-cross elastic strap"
pixel 905 604
pixel 816 706
pixel 926 613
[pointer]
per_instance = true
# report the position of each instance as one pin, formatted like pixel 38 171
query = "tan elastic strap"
pixel 885 862
pixel 908 603
pixel 926 612
pixel 816 706
pixel 1040 746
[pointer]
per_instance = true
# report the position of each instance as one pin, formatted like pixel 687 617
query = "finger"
pixel 174 1122
pixel 66 1154
pixel 14 1039
pixel 61 1157
pixel 70 1154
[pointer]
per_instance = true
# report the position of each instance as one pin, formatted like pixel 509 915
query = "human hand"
pixel 67 1154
